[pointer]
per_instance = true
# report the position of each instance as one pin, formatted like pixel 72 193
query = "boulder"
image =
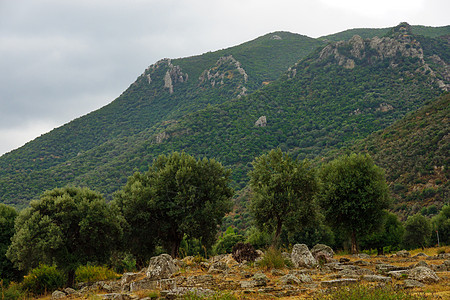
pixel 423 274
pixel 290 279
pixel 410 283
pixel 377 278
pixel 58 295
pixel 338 282
pixel 161 267
pixel 321 248
pixel 403 253
pixel 302 257
pixel 218 268
pixel 69 291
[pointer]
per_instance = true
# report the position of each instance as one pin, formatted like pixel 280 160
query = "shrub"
pixel 90 273
pixel 273 259
pixel 11 292
pixel 244 251
pixel 361 292
pixel 43 279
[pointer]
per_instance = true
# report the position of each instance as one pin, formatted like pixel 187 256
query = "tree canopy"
pixel 283 191
pixel 353 195
pixel 178 196
pixel 7 217
pixel 67 226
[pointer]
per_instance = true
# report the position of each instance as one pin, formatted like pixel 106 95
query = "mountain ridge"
pixel 221 120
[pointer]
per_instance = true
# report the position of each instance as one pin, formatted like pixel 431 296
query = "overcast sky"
pixel 60 59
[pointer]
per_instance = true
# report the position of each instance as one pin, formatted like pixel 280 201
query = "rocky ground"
pixel 311 275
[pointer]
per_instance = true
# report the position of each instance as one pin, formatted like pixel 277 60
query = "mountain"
pixel 414 152
pixel 280 90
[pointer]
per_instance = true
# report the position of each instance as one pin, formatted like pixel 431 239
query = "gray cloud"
pixel 62 59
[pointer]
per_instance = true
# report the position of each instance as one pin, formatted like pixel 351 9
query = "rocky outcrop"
pixel 322 250
pixel 226 68
pixel 161 267
pixel 172 75
pixel 302 257
pixel 423 274
pixel 261 122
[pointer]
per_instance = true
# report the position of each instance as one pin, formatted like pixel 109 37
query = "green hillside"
pixel 367 33
pixel 415 154
pixel 209 106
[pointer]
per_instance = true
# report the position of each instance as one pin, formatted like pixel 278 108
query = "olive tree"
pixel 7 217
pixel 177 197
pixel 353 195
pixel 67 226
pixel 283 192
pixel 417 231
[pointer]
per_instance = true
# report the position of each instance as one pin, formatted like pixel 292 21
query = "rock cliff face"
pixel 172 76
pixel 399 44
pixel 227 69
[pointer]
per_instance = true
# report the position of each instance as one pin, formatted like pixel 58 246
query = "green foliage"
pixel 11 292
pixel 259 239
pixel 315 233
pixel 226 241
pixel 441 224
pixel 123 262
pixel 283 192
pixel 7 217
pixel 273 259
pixel 362 292
pixel 90 273
pixel 69 227
pixel 215 296
pixel 417 231
pixel 170 200
pixel 43 279
pixel 390 236
pixel 353 195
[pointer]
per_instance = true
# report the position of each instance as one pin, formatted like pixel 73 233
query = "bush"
pixel 361 292
pixel 244 251
pixel 90 273
pixel 273 259
pixel 11 292
pixel 43 279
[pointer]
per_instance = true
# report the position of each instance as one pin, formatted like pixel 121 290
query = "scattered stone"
pixel 69 291
pixel 321 248
pixel 182 291
pixel 338 282
pixel 58 295
pixel 398 274
pixel 361 263
pixel 344 260
pixel 277 272
pixel 421 254
pixel 290 279
pixel 410 283
pixel 385 268
pixel 161 267
pixel 439 268
pixel 421 264
pixel 362 255
pixel 302 257
pixel 129 277
pixel 403 253
pixel 377 278
pixel 423 274
pixel 218 268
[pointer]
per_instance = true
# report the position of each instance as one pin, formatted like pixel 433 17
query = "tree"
pixel 178 196
pixel 7 217
pixel 441 225
pixel 390 235
pixel 353 195
pixel 67 226
pixel 417 231
pixel 283 192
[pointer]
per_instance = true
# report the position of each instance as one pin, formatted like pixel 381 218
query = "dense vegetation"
pixel 211 103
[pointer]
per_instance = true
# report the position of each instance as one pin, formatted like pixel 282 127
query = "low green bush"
pixel 43 279
pixel 362 292
pixel 91 273
pixel 11 292
pixel 273 259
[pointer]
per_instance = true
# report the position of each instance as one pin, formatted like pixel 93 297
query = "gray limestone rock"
pixel 302 257
pixel 161 267
pixel 423 274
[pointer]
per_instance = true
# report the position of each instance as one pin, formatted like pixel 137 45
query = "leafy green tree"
pixel 353 195
pixel 417 231
pixel 7 216
pixel 226 242
pixel 390 235
pixel 177 197
pixel 68 226
pixel 283 192
pixel 441 224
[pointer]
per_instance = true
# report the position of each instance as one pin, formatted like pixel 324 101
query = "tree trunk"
pixel 175 247
pixel 380 251
pixel 276 239
pixel 71 278
pixel 354 244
